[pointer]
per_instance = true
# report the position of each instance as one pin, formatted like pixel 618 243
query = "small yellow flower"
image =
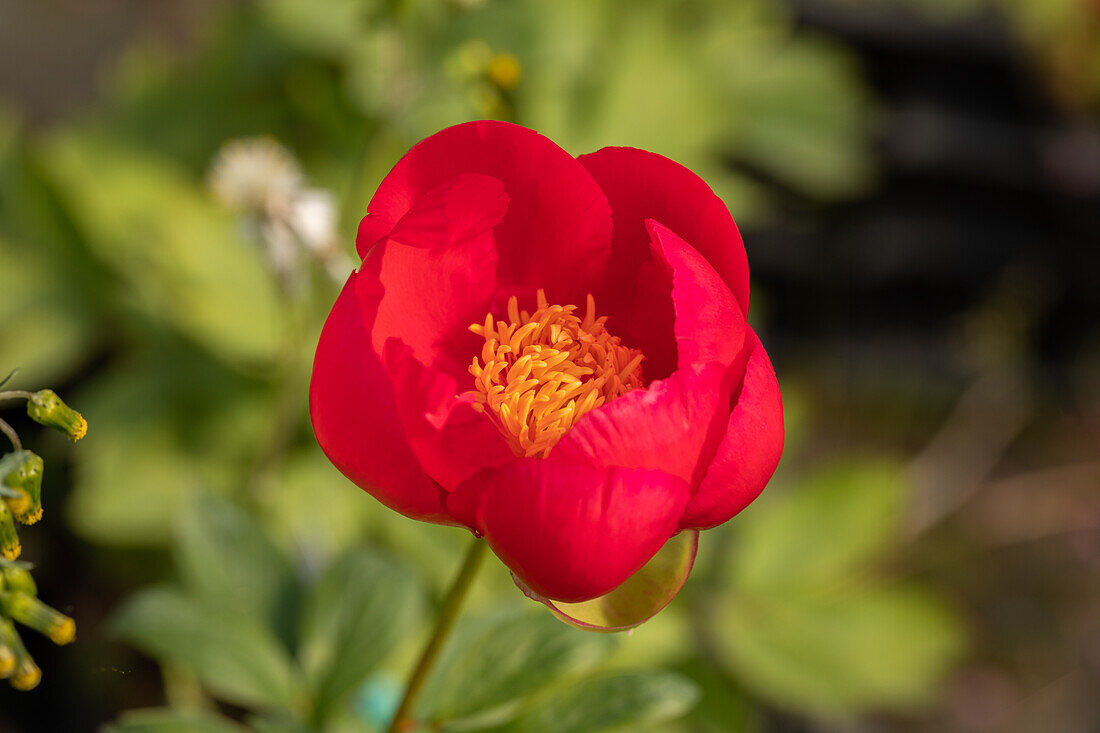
pixel 504 71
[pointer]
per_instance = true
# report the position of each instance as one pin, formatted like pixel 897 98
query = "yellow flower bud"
pixel 24 673
pixel 10 547
pixel 46 408
pixel 21 476
pixel 7 662
pixel 35 614
pixel 27 675
pixel 17 578
pixel 504 71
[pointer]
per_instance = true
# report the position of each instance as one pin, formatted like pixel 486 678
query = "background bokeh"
pixel 918 185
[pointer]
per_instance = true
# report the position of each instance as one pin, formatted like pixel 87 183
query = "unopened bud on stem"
pixel 21 475
pixel 10 547
pixel 46 408
pixel 35 614
pixel 16 578
pixel 24 673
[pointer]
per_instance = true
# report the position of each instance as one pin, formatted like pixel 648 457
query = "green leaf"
pixel 313 509
pixel 799 112
pixel 840 520
pixel 228 561
pixel 511 653
pixel 623 702
pixel 277 724
pixel 46 327
pixel 132 481
pixel 359 611
pixel 167 424
pixel 804 623
pixel 168 720
pixel 234 657
pixel 724 706
pixel 181 258
pixel 327 27
pixel 861 649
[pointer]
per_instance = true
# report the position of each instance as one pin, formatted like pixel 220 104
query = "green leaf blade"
pixel 358 612
pixel 622 702
pixel 511 654
pixel 234 657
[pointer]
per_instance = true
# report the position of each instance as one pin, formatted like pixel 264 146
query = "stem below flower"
pixel 444 621
pixel 13 436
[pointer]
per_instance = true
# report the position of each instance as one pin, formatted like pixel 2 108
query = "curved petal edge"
pixel 355 416
pixel 749 452
pixel 641 596
pixel 571 532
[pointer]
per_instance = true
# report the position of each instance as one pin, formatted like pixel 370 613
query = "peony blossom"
pixel 551 351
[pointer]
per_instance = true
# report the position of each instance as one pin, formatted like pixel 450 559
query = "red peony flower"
pixel 551 351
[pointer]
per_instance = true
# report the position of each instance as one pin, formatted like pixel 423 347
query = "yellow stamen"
pixel 539 373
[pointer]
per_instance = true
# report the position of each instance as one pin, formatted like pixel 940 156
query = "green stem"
pixel 13 436
pixel 15 394
pixel 444 621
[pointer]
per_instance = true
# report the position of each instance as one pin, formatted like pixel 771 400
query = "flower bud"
pixel 21 476
pixel 46 408
pixel 24 673
pixel 27 675
pixel 10 648
pixel 17 578
pixel 7 662
pixel 504 71
pixel 35 614
pixel 10 547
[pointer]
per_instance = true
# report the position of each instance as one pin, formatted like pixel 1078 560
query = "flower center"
pixel 541 372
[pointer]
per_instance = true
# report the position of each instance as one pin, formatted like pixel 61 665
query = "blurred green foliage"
pixel 121 273
pixel 236 627
pixel 828 634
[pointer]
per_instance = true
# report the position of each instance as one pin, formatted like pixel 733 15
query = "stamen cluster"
pixel 539 373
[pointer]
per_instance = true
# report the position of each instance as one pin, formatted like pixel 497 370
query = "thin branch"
pixel 15 394
pixel 9 431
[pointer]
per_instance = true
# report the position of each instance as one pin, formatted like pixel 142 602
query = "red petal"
pixel 438 269
pixel 451 440
pixel 668 426
pixel 556 234
pixel 676 308
pixel 454 212
pixel 640 185
pixel 675 424
pixel 709 326
pixel 640 597
pixel 355 418
pixel 571 532
pixel 749 452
